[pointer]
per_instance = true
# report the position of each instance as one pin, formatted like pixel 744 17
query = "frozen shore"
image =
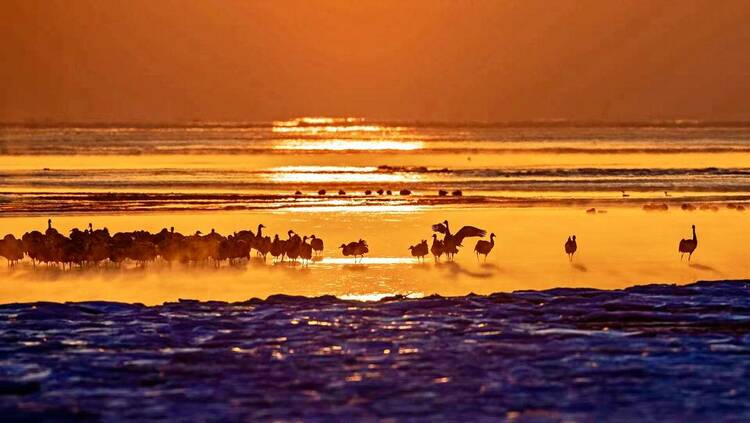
pixel 645 353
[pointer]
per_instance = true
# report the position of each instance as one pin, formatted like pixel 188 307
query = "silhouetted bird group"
pixel 92 247
pixel 451 242
pixel 404 191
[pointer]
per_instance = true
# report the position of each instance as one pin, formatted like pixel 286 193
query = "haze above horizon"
pixel 185 61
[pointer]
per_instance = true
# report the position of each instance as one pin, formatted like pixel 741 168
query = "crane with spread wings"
pixel 451 242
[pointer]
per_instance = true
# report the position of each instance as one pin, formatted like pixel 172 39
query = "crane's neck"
pixel 695 237
pixel 492 239
pixel 260 230
pixel 447 228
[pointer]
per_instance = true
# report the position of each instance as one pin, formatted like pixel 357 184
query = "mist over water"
pixel 623 247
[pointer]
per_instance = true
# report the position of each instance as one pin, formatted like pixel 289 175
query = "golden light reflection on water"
pixel 327 125
pixel 316 120
pixel 367 260
pixel 624 247
pixel 349 145
pixel 317 169
pixel 330 129
pixel 345 207
pixel 377 296
pixel 344 174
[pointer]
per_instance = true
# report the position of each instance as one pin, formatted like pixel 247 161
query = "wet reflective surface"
pixel 261 166
pixel 649 353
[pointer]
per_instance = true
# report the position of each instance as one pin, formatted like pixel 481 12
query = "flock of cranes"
pixel 92 247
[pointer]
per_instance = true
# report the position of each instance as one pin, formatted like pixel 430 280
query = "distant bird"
pixel 625 195
pixel 355 248
pixel 360 249
pixel 322 192
pixel 688 246
pixel 305 251
pixel 419 250
pixel 50 230
pixel 380 191
pixel 687 207
pixel 405 192
pixel 348 249
pixel 666 194
pixel 12 249
pixel 389 192
pixel 342 192
pixel 571 247
pixel 442 193
pixel 317 244
pixel 451 242
pixel 293 245
pixel 277 248
pixel 484 247
pixel 457 193
pixel 437 248
pixel 368 192
pixel 298 193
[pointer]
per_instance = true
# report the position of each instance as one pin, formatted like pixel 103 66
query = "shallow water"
pixel 57 170
pixel 620 248
pixel 569 353
pixel 650 353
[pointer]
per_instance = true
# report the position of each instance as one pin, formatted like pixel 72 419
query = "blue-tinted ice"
pixel 649 353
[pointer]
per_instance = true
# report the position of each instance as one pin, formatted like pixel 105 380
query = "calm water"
pixel 262 165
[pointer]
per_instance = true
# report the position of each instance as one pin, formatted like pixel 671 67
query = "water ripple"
pixel 647 353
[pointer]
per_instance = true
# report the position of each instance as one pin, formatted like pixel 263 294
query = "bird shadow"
pixel 703 267
pixel 356 267
pixel 579 267
pixel 457 269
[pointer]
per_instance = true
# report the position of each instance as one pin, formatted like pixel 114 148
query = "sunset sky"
pixel 175 61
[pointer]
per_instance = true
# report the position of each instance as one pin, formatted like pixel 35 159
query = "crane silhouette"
pixel 688 246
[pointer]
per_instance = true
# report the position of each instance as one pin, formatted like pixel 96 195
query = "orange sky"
pixel 175 61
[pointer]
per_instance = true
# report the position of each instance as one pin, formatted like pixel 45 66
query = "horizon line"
pixel 677 122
